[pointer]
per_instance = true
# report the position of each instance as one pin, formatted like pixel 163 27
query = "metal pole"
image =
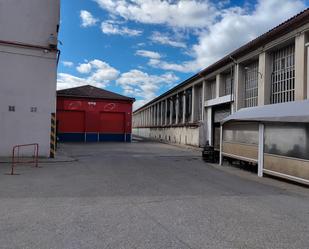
pixel 261 150
pixel 221 142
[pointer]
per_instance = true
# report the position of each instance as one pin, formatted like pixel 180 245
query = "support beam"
pixel 171 111
pixel 177 108
pixel 221 143
pixel 193 104
pixel 184 107
pixel 203 99
pixel 165 120
pixel 261 150
pixel 239 88
pixel 300 67
pixel 264 82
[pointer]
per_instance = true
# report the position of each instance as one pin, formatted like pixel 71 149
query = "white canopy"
pixel 297 111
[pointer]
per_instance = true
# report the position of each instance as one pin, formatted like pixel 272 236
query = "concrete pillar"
pixel 307 48
pixel 177 108
pixel 239 88
pixel 171 111
pixel 203 99
pixel 162 108
pixel 218 85
pixel 264 79
pixel 193 104
pixel 300 67
pixel 165 106
pixel 209 125
pixel 184 107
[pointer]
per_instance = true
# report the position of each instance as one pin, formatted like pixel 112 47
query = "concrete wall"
pixel 29 21
pixel 178 135
pixel 28 75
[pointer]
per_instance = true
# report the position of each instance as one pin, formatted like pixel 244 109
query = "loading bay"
pixel 147 195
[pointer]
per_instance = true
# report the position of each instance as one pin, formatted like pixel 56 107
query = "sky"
pixel 142 48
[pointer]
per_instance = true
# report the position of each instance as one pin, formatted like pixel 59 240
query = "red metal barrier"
pixel 35 155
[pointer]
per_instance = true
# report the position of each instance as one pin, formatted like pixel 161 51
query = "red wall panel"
pixel 71 121
pixel 112 122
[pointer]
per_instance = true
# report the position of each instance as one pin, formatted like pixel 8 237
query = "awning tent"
pixel 297 111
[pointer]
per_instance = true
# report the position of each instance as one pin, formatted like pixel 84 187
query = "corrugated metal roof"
pixel 282 29
pixel 88 91
pixel 297 111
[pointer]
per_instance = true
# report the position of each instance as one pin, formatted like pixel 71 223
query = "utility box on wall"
pixel 91 114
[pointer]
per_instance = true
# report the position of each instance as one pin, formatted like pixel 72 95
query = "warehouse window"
pixel 283 75
pixel 188 104
pixel 180 107
pixel 211 90
pixel 251 84
pixel 227 84
pixel 168 111
pixel 174 110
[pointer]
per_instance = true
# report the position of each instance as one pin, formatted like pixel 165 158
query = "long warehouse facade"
pixel 268 70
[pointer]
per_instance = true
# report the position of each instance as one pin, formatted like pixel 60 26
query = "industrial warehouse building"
pixel 91 114
pixel 268 71
pixel 28 66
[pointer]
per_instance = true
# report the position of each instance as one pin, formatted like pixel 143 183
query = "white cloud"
pixel 140 84
pixel 165 39
pixel 84 68
pixel 112 28
pixel 87 19
pixel 148 54
pixel 68 63
pixel 183 13
pixel 100 74
pixel 233 27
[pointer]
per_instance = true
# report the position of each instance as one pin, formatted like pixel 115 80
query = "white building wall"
pixel 28 75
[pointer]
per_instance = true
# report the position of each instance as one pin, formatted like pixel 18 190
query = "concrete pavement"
pixel 147 195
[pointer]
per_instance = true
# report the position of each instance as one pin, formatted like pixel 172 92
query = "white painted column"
pixel 221 144
pixel 184 107
pixel 300 67
pixel 307 72
pixel 203 99
pixel 171 111
pixel 218 84
pixel 177 108
pixel 165 119
pixel 261 150
pixel 264 81
pixel 162 107
pixel 209 125
pixel 239 88
pixel 193 104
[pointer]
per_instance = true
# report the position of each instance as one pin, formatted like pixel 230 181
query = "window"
pixel 283 75
pixel 227 87
pixel 174 109
pixel 11 108
pixel 251 84
pixel 188 104
pixel 211 90
pixel 180 107
pixel 33 109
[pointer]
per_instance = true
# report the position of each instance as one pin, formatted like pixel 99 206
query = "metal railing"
pixel 16 155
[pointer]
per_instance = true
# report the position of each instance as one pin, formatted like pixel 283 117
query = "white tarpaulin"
pixel 297 111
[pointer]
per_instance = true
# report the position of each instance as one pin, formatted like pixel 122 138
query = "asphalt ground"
pixel 147 195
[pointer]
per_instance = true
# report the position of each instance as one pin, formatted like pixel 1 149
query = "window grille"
pixel 251 84
pixel 283 75
pixel 188 104
pixel 180 107
pixel 227 84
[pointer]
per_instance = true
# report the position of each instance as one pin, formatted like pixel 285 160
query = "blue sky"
pixel 142 48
